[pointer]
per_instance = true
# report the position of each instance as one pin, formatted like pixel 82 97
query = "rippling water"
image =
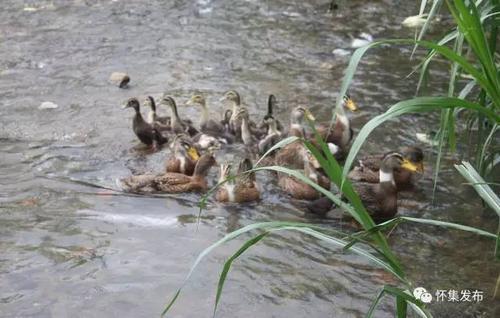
pixel 72 249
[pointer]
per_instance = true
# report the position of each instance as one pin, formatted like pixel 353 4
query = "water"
pixel 71 249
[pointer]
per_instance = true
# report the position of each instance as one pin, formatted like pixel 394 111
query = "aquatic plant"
pixel 474 22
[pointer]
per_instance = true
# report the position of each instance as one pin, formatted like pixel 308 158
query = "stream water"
pixel 71 249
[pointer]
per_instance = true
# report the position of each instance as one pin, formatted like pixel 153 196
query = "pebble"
pixel 48 105
pixel 119 78
pixel 341 52
pixel 415 21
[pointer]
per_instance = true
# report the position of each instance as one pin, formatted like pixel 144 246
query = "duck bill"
pixel 193 153
pixel 190 102
pixel 309 115
pixel 351 105
pixel 413 167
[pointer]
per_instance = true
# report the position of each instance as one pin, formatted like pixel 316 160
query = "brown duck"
pixel 368 169
pixel 339 135
pixel 380 199
pixel 243 188
pixel 144 131
pixel 172 182
pixel 184 158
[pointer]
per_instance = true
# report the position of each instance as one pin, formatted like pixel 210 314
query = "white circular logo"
pixel 421 293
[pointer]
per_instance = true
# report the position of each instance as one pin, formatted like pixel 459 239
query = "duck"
pixel 379 199
pixel 272 137
pixel 184 158
pixel 172 182
pixel 144 131
pixel 208 125
pixel 233 98
pixel 178 126
pixel 243 188
pixel 271 102
pixel 247 135
pixel 300 190
pixel 368 168
pixel 153 116
pixel 339 135
pixel 288 155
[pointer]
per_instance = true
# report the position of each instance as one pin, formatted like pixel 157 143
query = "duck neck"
pixel 273 128
pixel 310 172
pixel 297 128
pixel 386 175
pixel 342 119
pixel 235 109
pixel 201 169
pixel 175 114
pixel 204 114
pixel 245 131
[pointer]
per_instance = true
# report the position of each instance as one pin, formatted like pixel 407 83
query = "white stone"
pixel 48 105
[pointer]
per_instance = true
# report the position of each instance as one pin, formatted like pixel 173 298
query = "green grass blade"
pixel 401 307
pixel 229 262
pixel 280 144
pixel 440 49
pixel 481 187
pixel 416 105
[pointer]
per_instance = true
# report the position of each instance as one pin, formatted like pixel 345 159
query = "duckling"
pixel 298 189
pixel 185 156
pixel 380 199
pixel 289 155
pixel 368 169
pixel 233 98
pixel 297 117
pixel 243 188
pixel 163 121
pixel 246 133
pixel 207 125
pixel 273 135
pixel 172 182
pixel 178 125
pixel 339 135
pixel 210 126
pixel 146 133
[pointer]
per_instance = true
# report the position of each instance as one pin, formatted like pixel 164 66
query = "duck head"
pixel 132 103
pixel 299 113
pixel 392 161
pixel 231 96
pixel 196 100
pixel 204 164
pixel 348 103
pixel 414 155
pixel 183 147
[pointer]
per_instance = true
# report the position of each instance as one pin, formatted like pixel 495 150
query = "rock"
pixel 341 52
pixel 363 40
pixel 327 66
pixel 48 105
pixel 120 79
pixel 415 21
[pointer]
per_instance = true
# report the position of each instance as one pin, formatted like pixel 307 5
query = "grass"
pixel 470 50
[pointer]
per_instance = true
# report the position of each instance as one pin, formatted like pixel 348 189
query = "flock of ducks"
pixel 377 178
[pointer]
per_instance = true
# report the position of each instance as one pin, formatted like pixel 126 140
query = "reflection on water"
pixel 69 248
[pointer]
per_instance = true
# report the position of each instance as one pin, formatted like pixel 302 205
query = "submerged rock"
pixel 119 78
pixel 415 21
pixel 48 105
